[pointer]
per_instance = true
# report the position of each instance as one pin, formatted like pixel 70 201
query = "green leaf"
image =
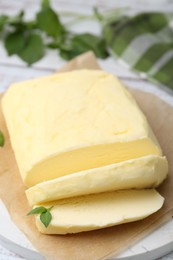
pixel 3 20
pixel 46 218
pixel 38 210
pixel 48 21
pixel 33 49
pixel 16 22
pixel 45 215
pixel 15 42
pixel 82 43
pixel 2 140
pixel 45 3
pixel 53 45
pixel 69 54
pixel 98 15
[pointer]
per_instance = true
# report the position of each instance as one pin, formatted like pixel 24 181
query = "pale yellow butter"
pixel 144 172
pixel 100 210
pixel 74 121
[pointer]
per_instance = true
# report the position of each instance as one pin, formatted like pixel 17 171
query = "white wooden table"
pixel 12 69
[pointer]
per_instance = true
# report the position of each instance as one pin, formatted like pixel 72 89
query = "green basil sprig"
pixel 2 139
pixel 45 215
pixel 29 39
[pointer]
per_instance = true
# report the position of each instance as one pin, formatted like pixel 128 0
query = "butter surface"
pixel 74 121
pixel 100 210
pixel 144 172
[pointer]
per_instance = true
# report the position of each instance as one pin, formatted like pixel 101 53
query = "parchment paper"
pixel 96 244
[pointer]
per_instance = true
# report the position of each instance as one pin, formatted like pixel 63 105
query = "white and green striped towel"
pixel 145 43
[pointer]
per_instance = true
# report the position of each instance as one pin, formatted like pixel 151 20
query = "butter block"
pixel 74 121
pixel 144 172
pixel 100 211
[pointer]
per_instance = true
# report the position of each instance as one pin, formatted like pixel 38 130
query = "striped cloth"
pixel 145 43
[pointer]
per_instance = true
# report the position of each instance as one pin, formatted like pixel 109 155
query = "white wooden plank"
pixel 81 5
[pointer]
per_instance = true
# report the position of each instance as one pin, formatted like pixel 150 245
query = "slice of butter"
pixel 74 121
pixel 100 210
pixel 144 172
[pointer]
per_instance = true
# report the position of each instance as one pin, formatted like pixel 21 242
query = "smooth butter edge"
pixel 145 172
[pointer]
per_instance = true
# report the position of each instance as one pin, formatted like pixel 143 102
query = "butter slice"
pixel 100 210
pixel 74 121
pixel 144 172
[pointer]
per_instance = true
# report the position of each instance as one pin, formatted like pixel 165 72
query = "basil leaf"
pixel 2 140
pixel 38 210
pixel 70 54
pixel 45 3
pixel 15 42
pixel 46 218
pixel 48 21
pixel 3 20
pixel 82 43
pixel 33 50
pixel 24 38
pixel 17 19
pixel 45 215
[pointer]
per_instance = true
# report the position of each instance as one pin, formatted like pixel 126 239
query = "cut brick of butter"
pixel 100 210
pixel 74 121
pixel 144 172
